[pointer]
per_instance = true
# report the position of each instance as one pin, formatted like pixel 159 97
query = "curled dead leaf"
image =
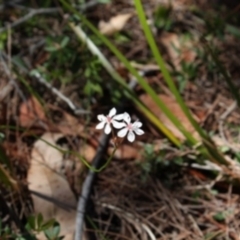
pixel 179 49
pixel 115 24
pixel 125 151
pixel 45 177
pixel 31 113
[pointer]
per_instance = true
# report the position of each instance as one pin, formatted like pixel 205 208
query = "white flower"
pixel 110 119
pixel 130 128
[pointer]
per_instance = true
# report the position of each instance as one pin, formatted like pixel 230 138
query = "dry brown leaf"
pixel 44 176
pixel 175 109
pixel 88 152
pixel 125 151
pixel 178 48
pixel 70 125
pixel 31 112
pixel 115 24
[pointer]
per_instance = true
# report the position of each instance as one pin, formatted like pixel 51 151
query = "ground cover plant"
pixel 119 120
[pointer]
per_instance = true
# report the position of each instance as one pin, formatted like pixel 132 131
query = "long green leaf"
pixel 162 66
pixel 210 149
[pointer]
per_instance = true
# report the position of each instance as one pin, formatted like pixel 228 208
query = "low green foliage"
pixel 35 225
pixel 162 18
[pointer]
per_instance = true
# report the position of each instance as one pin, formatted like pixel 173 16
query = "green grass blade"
pixel 162 66
pixel 208 147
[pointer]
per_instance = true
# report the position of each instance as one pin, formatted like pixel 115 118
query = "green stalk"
pixel 161 64
pixel 210 148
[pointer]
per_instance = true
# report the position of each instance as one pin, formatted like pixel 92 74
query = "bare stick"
pixel 38 76
pixel 59 94
pixel 12 81
pixel 32 13
pixel 87 186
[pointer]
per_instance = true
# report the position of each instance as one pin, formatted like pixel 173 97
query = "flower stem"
pixel 107 162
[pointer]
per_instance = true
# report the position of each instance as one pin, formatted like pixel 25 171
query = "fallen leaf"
pixel 88 152
pixel 31 113
pixel 45 177
pixel 125 151
pixel 115 24
pixel 70 125
pixel 174 108
pixel 179 49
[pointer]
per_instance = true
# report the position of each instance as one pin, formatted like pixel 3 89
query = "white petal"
pixel 137 124
pixel 127 118
pixel 100 125
pixel 119 117
pixel 101 117
pixel 122 133
pixel 107 129
pixel 118 125
pixel 139 131
pixel 112 112
pixel 131 136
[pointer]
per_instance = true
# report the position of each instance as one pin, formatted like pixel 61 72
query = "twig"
pixel 87 187
pixel 63 205
pixel 37 75
pixel 96 51
pixel 12 81
pixel 59 94
pixel 93 48
pixel 32 13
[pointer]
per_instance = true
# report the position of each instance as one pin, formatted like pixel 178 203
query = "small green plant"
pixel 222 215
pixel 188 72
pixel 35 225
pixel 93 80
pixel 3 40
pixel 151 161
pixel 162 18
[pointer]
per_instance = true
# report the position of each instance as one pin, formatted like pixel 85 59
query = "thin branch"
pixel 12 81
pixel 37 75
pixel 93 48
pixel 59 94
pixel 31 14
pixel 66 206
pixel 87 187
